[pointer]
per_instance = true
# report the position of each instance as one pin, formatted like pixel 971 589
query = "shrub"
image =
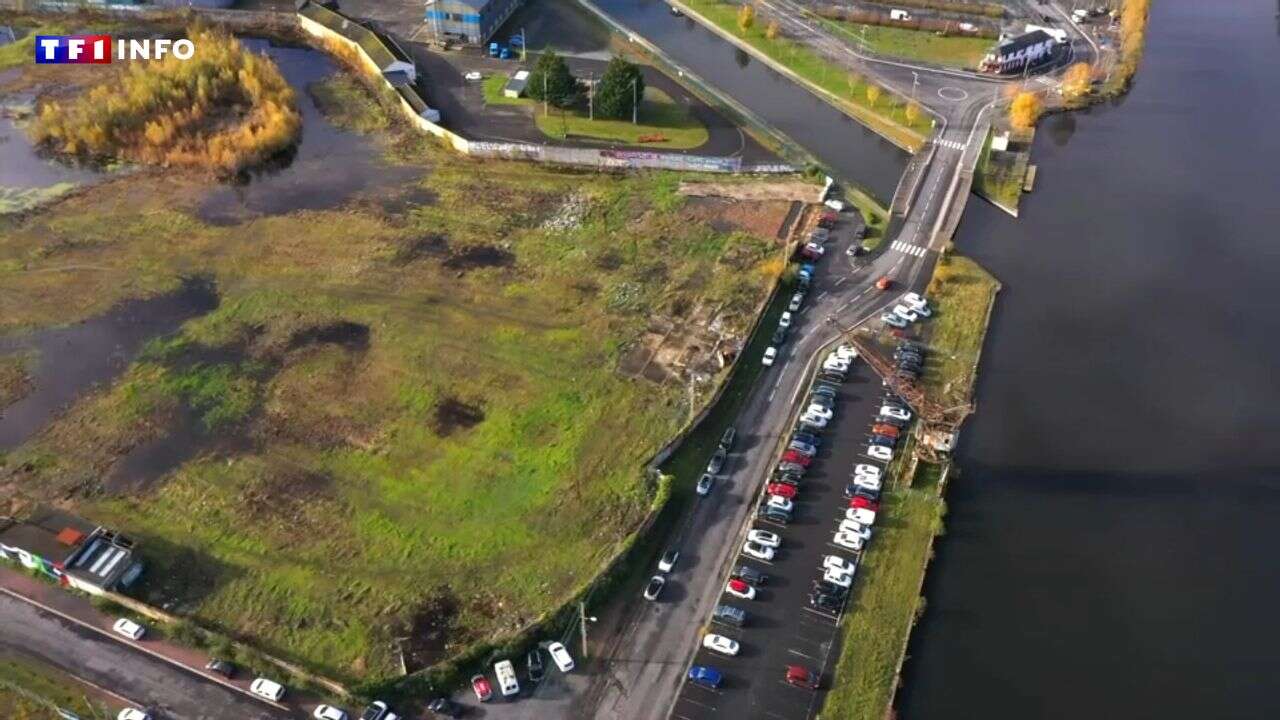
pixel 614 95
pixel 550 80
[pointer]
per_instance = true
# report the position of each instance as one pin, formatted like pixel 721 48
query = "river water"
pixel 1110 541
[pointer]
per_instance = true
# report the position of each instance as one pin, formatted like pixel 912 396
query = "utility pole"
pixel 915 80
pixel 583 619
pixel 524 45
pixel 635 106
pixel 544 94
pixel 591 95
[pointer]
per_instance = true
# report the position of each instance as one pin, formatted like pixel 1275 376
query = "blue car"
pixel 708 677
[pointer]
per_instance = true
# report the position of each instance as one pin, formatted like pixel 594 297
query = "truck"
pixel 896 14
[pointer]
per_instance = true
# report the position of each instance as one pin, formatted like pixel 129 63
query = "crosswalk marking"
pixel 953 144
pixel 915 250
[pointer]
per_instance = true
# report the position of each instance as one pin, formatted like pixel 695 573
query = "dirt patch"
pixel 788 191
pixel 285 492
pixel 479 256
pixel 433 245
pixel 432 631
pixel 452 415
pixel 15 382
pixel 350 335
pixel 764 219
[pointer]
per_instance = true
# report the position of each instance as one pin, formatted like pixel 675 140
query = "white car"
pixel 865 470
pixel 896 413
pixel 923 311
pixel 785 319
pixel 846 353
pixel 560 656
pixel 892 320
pixel 704 484
pixel 749 593
pixel 757 551
pixel 133 714
pixel 814 420
pixel 905 313
pixel 129 629
pixel 770 354
pixel 867 482
pixel 913 300
pixel 879 452
pixel 856 528
pixel 765 538
pixel 796 301
pixel 835 362
pixel 817 410
pixel 835 577
pixel 474 76
pixel 848 540
pixel 667 562
pixel 866 516
pixel 783 504
pixel 835 562
pixel 815 248
pixel 269 689
pixel 720 644
pixel 328 712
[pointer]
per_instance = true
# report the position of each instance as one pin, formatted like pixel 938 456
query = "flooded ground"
pixel 69 361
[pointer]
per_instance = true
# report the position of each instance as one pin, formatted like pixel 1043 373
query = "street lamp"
pixel 583 619
pixel 635 105
pixel 915 80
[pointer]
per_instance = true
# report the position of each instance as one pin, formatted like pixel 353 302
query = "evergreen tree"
pixel 613 96
pixel 551 80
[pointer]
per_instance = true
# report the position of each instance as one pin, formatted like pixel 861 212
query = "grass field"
pixel 659 117
pixel 1000 181
pixel 421 429
pixel 961 293
pixel 922 45
pixel 887 117
pixel 884 605
pixel 31 691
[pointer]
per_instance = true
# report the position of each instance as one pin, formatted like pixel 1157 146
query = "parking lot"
pixel 782 629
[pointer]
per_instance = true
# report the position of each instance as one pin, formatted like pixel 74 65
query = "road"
pixel 170 693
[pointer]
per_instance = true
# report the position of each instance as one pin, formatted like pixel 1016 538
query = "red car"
pixel 860 502
pixel 884 429
pixel 802 677
pixel 827 219
pixel 884 283
pixel 787 491
pixel 739 585
pixel 798 458
pixel 480 686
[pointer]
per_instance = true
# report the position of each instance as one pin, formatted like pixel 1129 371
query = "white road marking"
pixel 914 250
pixel 841 280
pixel 803 655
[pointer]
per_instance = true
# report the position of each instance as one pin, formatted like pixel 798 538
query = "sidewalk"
pixel 78 609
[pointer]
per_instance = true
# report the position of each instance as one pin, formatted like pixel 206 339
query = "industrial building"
pixel 73 551
pixel 1015 54
pixel 468 21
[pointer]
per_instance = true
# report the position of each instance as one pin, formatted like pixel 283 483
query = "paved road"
pixel 170 693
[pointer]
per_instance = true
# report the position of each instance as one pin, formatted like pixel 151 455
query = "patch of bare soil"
pixel 787 191
pixel 431 631
pixel 284 493
pixel 479 256
pixel 764 219
pixel 452 415
pixel 350 335
pixel 432 245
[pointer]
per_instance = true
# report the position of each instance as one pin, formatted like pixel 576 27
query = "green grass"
pixel 346 102
pixel 659 116
pixel 883 606
pixel 887 117
pixel 1000 180
pixel 31 691
pixel 922 45
pixel 961 293
pixel 351 508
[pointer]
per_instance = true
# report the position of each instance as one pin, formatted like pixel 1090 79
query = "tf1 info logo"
pixel 97 49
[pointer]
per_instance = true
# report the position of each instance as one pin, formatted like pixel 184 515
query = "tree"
pixel 873 94
pixel 746 17
pixel 614 93
pixel 773 30
pixel 1076 81
pixel 1025 110
pixel 912 112
pixel 550 80
pixel 854 81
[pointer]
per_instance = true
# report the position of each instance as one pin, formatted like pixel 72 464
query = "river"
pixel 1110 538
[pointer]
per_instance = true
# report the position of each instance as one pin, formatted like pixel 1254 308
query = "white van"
pixel 899 15
pixel 507 681
pixel 269 689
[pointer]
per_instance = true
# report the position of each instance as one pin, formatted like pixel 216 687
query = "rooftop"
pixel 49 533
pixel 380 52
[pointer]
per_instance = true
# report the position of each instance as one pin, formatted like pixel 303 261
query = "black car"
pixel 726 440
pixel 810 438
pixel 909 359
pixel 537 668
pixel 654 588
pixel 788 479
pixel 868 493
pixel 775 514
pixel 902 355
pixel 779 336
pixel 822 601
pixel 831 377
pixel 375 711
pixel 883 441
pixel 827 587
pixel 716 464
pixel 444 707
pixel 222 667
pixel 790 468
pixel 750 575
pixel 890 420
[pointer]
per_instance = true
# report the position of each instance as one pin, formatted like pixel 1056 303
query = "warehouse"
pixel 468 21
pixel 1018 53
pixel 71 550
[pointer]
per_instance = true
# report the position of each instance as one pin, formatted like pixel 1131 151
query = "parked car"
pixel 826 588
pixel 835 577
pixel 654 588
pixel 779 336
pixel 813 420
pixel 882 441
pixel 921 310
pixel 823 401
pixel 801 677
pixel 222 667
pixel 825 601
pixel 770 354
pixel 505 671
pixel 328 712
pixel 865 470
pixel 781 503
pixel 129 629
pixel 560 656
pixel 820 412
pixel 885 429
pixel 132 714
pixel 534 665
pixel 803 448
pixel 720 644
pixel 835 561
pixel 857 528
pixel 739 588
pixel 730 615
pixel 668 560
pixel 716 463
pixel 893 320
pixel 905 313
pixel 773 514
pixel 824 390
pixel 750 575
pixel 832 377
pixel 835 365
pixel 913 300
pixel 766 538
pixel 782 490
pixel 269 689
pixel 809 438
pixel 728 437
pixel 861 502
pixel 444 707
pixel 796 301
pixel 814 249
pixel 887 420
pixel 867 492
pixel 848 353
pixel 790 468
pixel 481 687
pixel 757 551
pixel 704 484
pixel 797 457
pixel 861 515
pixel 705 676
pixel 879 452
pixel 896 412
pixel 848 541
pixel 791 479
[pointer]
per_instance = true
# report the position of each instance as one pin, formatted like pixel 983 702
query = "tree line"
pixel 614 97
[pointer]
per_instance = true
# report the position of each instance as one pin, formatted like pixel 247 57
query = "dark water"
pixel 22 167
pixel 71 360
pixel 1110 547
pixel 329 166
pixel 851 149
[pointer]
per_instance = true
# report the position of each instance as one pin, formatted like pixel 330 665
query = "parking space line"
pixel 803 655
pixel 820 614
pixel 695 702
